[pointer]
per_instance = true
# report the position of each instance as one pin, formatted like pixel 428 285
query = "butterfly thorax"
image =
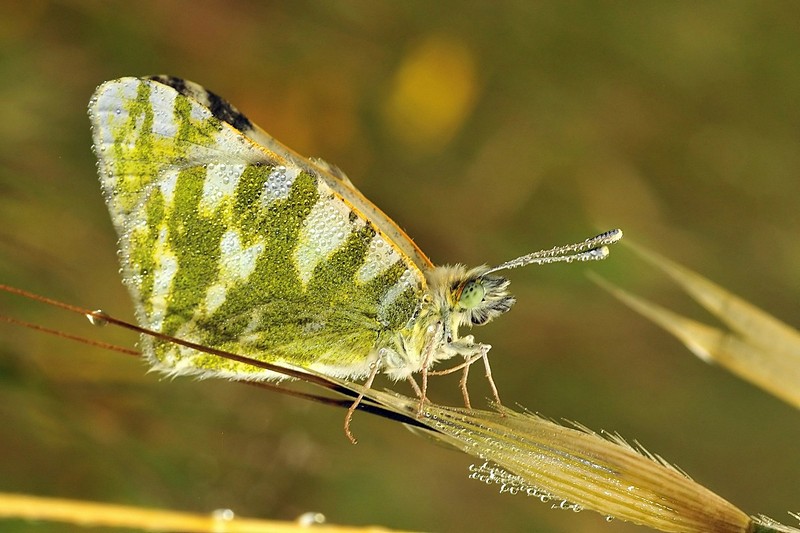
pixel 455 297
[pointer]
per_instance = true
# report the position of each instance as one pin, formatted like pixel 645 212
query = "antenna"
pixel 592 249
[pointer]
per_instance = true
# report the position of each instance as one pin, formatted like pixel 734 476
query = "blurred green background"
pixel 486 130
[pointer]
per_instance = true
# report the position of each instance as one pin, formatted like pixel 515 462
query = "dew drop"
pixel 310 519
pixel 223 515
pixel 98 318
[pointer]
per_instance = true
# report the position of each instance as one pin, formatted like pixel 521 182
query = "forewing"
pixel 235 245
pixel 332 175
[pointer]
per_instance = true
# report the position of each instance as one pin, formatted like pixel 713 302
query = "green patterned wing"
pixel 242 245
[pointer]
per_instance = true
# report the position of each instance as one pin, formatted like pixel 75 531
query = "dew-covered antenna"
pixel 592 249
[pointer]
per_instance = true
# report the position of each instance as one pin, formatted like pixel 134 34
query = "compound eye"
pixel 472 294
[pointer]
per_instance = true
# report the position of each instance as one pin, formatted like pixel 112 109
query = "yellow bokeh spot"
pixel 432 93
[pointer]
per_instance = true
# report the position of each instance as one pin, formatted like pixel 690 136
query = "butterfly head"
pixel 465 297
pixel 480 297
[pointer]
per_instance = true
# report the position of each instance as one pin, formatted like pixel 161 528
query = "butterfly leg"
pixel 485 357
pixel 463 383
pixel 349 416
pixel 422 392
pixel 472 352
pixel 414 386
pixel 483 354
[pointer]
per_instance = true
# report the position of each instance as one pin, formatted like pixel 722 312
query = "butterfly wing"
pixel 229 240
pixel 333 176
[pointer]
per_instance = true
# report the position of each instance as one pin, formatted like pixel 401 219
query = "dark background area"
pixel 486 130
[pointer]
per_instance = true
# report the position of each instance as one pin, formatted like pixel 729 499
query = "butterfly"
pixel 231 240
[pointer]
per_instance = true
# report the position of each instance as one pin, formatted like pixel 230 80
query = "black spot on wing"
pixel 179 84
pixel 227 113
pixel 218 106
